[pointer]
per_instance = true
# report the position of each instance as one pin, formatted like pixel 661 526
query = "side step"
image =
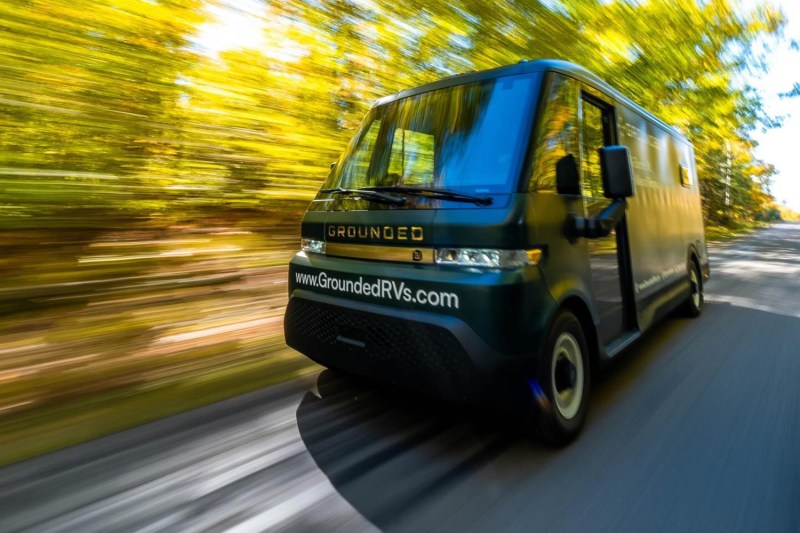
pixel 621 342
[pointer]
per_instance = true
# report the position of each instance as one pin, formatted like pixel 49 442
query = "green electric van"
pixel 492 237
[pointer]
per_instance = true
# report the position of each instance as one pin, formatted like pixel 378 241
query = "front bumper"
pixel 434 354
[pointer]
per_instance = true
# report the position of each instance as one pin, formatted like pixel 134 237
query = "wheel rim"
pixel 695 288
pixel 566 375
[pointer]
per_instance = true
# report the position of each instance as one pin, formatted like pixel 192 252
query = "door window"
pixel 592 139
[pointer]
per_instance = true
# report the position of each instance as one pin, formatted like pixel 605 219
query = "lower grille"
pixel 408 353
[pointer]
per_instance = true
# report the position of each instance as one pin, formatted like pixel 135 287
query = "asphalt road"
pixel 695 428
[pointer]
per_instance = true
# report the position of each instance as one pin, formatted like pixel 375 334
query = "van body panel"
pixel 664 216
pixel 565 268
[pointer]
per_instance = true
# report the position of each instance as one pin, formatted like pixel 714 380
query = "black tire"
pixel 693 305
pixel 564 374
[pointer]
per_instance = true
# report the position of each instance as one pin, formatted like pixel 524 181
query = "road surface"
pixel 695 428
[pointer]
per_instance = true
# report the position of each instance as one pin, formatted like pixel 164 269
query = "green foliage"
pixel 787 214
pixel 87 99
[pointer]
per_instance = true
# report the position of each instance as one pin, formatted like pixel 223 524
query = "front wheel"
pixel 564 375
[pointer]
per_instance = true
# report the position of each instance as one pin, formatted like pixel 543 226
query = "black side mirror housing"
pixel 615 165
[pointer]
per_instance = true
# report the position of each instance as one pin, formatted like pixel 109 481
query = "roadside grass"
pixel 736 229
pixel 29 434
pixel 104 333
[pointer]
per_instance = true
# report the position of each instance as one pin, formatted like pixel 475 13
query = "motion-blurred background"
pixel 156 157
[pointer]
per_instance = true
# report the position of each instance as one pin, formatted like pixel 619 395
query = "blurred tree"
pixel 112 105
pixel 87 92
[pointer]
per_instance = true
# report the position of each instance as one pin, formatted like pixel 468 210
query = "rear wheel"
pixel 564 374
pixel 693 305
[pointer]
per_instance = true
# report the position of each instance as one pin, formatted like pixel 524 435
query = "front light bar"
pixel 313 246
pixel 487 258
pixel 467 257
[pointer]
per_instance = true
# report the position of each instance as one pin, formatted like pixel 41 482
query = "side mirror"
pixel 333 166
pixel 615 165
pixel 567 179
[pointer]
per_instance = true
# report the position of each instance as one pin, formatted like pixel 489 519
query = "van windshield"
pixel 468 138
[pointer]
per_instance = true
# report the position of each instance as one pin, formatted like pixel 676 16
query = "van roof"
pixel 528 66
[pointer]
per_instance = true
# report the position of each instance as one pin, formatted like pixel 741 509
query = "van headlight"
pixel 312 245
pixel 487 258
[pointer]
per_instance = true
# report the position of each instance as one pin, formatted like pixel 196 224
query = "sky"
pixel 239 23
pixel 243 23
pixel 779 146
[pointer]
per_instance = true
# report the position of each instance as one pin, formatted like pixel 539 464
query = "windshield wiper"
pixel 440 194
pixel 368 194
